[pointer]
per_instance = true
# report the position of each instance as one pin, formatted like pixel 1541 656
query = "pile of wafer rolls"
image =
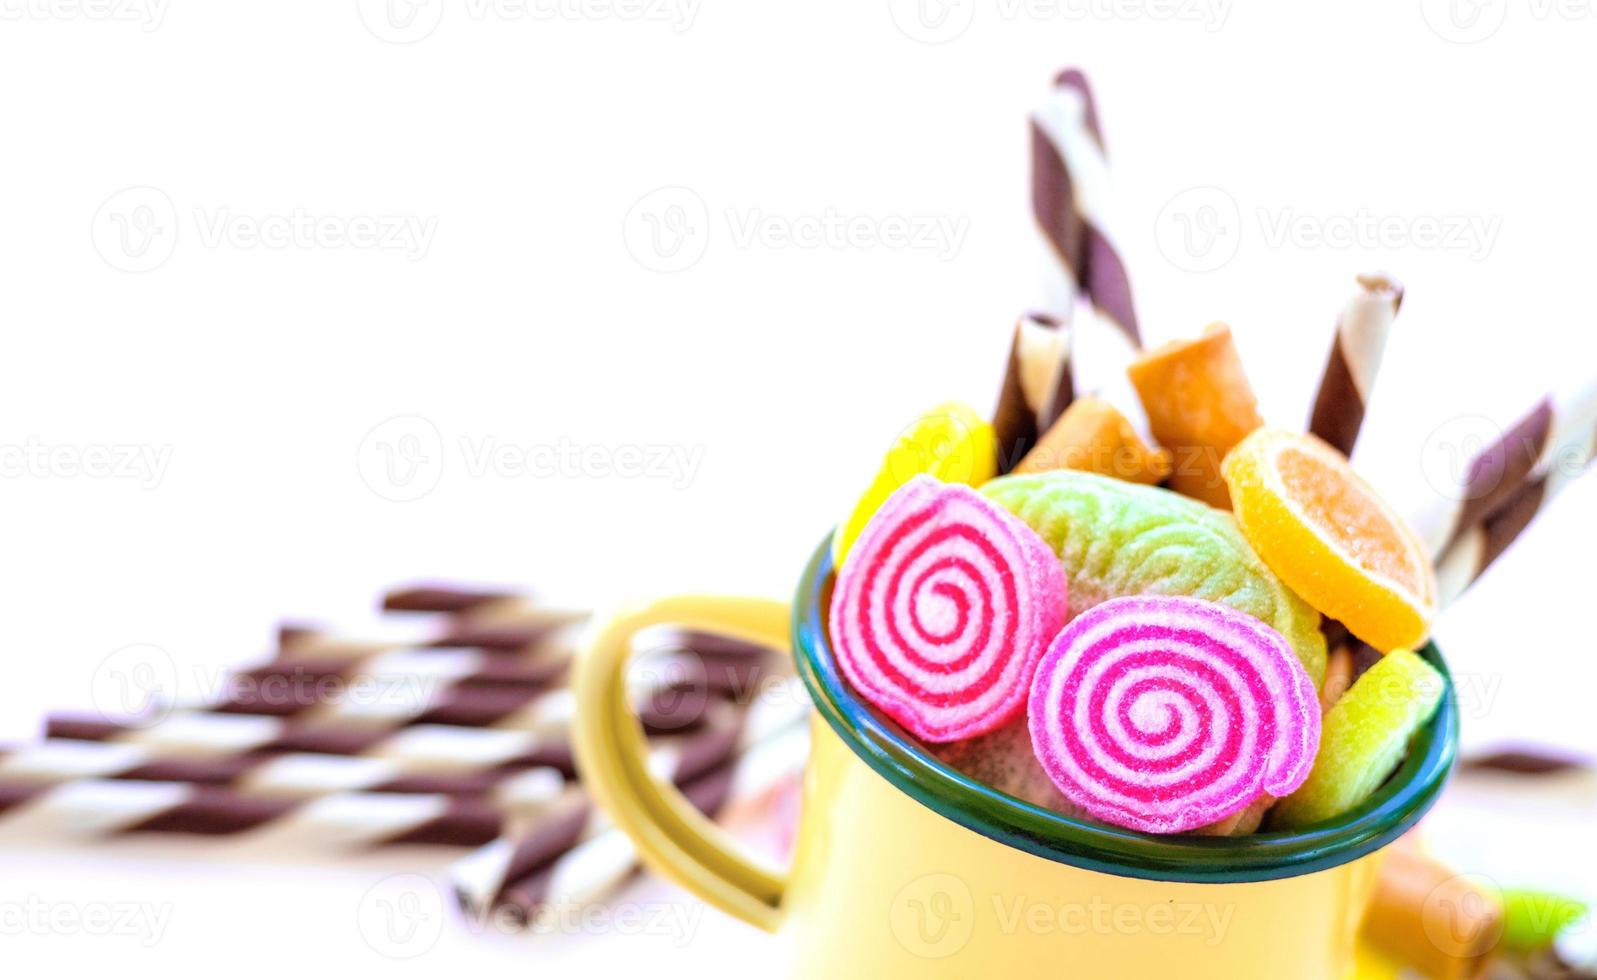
pixel 1051 414
pixel 455 736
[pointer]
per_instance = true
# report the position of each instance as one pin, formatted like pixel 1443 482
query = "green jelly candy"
pixel 1119 539
pixel 1533 919
pixel 1363 738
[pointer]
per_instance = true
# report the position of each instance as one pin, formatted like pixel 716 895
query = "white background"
pixel 529 146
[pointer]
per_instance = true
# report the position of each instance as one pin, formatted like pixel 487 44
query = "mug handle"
pixel 673 838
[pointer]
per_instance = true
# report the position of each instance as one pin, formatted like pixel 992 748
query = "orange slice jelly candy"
pixel 1331 538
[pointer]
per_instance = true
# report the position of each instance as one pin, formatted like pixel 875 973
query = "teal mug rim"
pixel 1396 807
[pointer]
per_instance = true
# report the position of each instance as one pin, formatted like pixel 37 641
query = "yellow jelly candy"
pixel 1363 738
pixel 950 442
pixel 1331 538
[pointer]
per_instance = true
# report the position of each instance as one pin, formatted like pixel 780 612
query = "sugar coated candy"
pixel 1165 713
pixel 1366 735
pixel 1332 538
pixel 1119 539
pixel 951 442
pixel 943 608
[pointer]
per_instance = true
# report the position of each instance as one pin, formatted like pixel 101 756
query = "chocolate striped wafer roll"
pixel 106 808
pixel 445 616
pixel 1551 444
pixel 322 800
pixel 442 598
pixel 53 762
pixel 302 681
pixel 529 741
pixel 1473 551
pixel 1355 359
pixel 1071 205
pixel 482 877
pixel 1037 388
pixel 672 692
pixel 437 747
pixel 599 865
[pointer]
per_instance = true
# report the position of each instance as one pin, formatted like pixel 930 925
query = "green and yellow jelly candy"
pixel 950 442
pixel 1363 738
pixel 1122 539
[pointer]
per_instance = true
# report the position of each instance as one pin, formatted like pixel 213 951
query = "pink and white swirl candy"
pixel 943 609
pixel 1168 713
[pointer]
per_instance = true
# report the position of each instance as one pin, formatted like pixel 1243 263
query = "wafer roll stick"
pixel 528 740
pixel 442 598
pixel 671 692
pixel 598 866
pixel 482 877
pixel 301 682
pixel 1355 358
pixel 532 789
pixel 1553 443
pixel 1199 405
pixel 105 808
pixel 1072 206
pixel 1092 435
pixel 1431 918
pixel 348 801
pixel 1038 386
pixel 489 621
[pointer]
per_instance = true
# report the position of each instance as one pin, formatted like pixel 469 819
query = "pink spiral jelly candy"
pixel 1167 713
pixel 943 608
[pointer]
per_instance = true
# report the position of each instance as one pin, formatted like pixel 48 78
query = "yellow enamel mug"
pixel 904 868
